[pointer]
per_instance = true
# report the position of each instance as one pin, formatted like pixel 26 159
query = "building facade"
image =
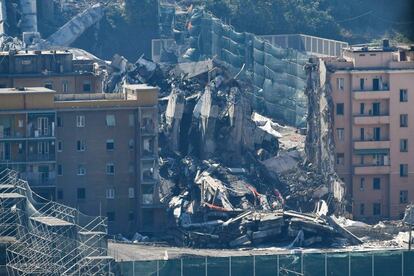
pixel 372 92
pixel 66 72
pixel 95 152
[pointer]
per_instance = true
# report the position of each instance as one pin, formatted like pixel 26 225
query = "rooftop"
pixel 25 90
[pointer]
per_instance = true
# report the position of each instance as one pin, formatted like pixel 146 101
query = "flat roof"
pixel 26 90
pixel 139 87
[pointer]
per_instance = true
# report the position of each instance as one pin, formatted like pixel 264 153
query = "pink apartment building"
pixel 372 90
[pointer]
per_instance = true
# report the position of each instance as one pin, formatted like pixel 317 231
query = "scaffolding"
pixel 49 238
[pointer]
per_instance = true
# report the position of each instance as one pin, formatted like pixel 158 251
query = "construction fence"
pixel 372 263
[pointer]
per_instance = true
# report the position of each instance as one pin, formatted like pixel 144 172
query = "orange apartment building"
pixel 66 71
pixel 96 152
pixel 372 90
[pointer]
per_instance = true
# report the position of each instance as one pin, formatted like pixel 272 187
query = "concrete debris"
pixel 409 215
pixel 69 32
pixel 228 174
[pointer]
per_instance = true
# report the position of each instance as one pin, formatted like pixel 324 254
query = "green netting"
pixel 169 268
pixel 312 264
pixel 361 263
pixel 242 266
pixel 338 264
pixel 261 59
pixel 265 265
pixel 275 51
pixel 218 266
pixel 388 263
pixel 290 263
pixel 194 266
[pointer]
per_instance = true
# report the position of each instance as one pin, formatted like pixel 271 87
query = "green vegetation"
pixel 355 21
pixel 128 29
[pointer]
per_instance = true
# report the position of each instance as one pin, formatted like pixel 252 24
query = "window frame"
pixel 80 121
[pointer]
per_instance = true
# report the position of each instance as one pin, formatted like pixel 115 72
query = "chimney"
pixel 385 44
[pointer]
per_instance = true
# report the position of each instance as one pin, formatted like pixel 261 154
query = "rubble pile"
pixel 226 172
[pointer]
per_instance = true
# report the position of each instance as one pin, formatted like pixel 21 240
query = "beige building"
pixel 96 152
pixel 372 92
pixel 70 72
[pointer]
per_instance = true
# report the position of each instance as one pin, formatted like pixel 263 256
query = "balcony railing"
pixel 372 169
pixel 380 118
pixel 372 144
pixel 371 94
pixel 41 157
pixel 40 179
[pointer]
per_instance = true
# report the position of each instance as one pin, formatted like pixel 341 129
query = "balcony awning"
pixel 371 151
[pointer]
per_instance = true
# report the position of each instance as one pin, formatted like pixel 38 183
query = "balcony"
pixel 359 145
pixel 372 119
pixel 51 157
pixel 371 94
pixel 40 179
pixel 371 170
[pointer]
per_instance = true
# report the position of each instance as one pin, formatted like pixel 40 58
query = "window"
pixel 403 145
pixel 110 193
pixel 376 109
pixel 59 122
pixel 110 169
pixel 87 86
pixel 376 183
pixel 131 144
pixel 147 194
pixel 362 108
pixel 80 121
pixel 362 184
pixel 376 209
pixel 49 85
pixel 110 145
pixel 111 216
pixel 131 193
pixel 377 134
pixel 59 145
pixel 362 209
pixel 403 120
pixel 81 170
pixel 59 194
pixel 43 126
pixel 362 134
pixel 80 145
pixel 131 120
pixel 110 120
pixel 340 133
pixel 403 95
pixel 375 84
pixel 339 109
pixel 362 84
pixel 403 197
pixel 340 159
pixel 60 170
pixel 81 193
pixel 403 170
pixel 340 83
pixel 20 123
pixel 65 86
pixel 43 148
